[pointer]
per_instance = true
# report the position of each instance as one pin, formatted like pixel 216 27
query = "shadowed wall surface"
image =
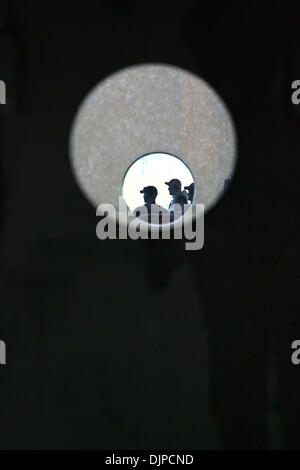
pixel 124 344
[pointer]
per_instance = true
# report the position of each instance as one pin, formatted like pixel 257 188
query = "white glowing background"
pixel 154 170
pixel 145 108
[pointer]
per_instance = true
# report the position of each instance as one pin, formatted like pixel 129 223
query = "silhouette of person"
pixel 180 198
pixel 151 212
pixel 190 189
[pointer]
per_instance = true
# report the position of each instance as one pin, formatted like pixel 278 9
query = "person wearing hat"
pixel 151 212
pixel 180 198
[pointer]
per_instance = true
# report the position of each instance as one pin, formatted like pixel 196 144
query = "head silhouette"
pixel 190 189
pixel 174 186
pixel 150 193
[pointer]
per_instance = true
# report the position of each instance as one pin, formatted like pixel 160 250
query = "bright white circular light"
pixel 148 109
pixel 154 170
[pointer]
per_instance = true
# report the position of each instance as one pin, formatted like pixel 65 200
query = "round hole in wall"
pixel 147 108
pixel 158 182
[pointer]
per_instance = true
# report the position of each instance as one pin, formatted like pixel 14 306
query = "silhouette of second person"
pixel 179 198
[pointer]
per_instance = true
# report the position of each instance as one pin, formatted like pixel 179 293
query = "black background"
pixel 89 364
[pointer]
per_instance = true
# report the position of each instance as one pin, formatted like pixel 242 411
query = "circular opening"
pixel 146 107
pixel 160 182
